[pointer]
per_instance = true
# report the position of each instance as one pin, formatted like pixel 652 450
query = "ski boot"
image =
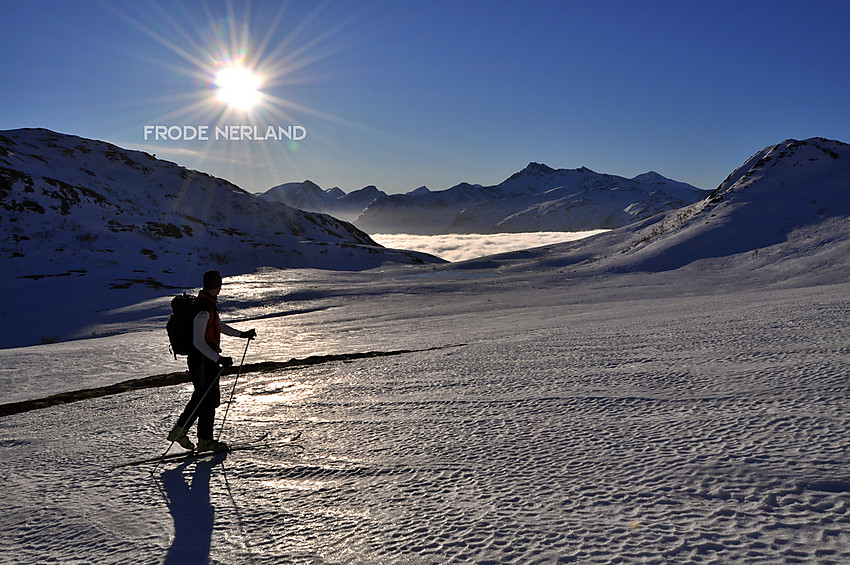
pixel 212 445
pixel 178 434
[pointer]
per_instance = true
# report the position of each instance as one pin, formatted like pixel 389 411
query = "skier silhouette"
pixel 204 362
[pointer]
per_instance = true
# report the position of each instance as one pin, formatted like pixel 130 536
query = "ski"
pixel 188 455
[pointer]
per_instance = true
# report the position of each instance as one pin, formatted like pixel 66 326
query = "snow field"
pixel 642 419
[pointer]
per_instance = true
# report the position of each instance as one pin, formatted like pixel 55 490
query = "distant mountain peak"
pixel 534 170
pixel 539 168
pixel 650 176
pixel 419 191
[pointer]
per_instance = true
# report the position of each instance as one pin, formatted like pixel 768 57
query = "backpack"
pixel 179 325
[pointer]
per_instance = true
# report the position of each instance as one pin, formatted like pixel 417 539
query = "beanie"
pixel 212 279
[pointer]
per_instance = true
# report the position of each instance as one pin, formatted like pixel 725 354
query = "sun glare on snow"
pixel 238 87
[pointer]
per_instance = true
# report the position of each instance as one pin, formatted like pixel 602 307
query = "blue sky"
pixel 402 93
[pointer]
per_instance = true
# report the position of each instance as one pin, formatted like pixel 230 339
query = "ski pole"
pixel 206 392
pixel 233 390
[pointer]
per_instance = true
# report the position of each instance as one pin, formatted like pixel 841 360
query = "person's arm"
pixel 227 330
pixel 233 332
pixel 199 330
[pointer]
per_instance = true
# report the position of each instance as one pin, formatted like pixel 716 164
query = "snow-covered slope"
pixel 790 200
pixel 84 215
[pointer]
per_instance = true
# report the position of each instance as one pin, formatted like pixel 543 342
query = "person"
pixel 204 362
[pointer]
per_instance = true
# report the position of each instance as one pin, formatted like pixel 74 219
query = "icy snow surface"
pixel 643 418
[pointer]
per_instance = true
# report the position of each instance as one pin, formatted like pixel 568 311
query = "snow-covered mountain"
pixel 788 201
pixel 309 196
pixel 538 198
pixel 573 200
pixel 81 203
pixel 80 211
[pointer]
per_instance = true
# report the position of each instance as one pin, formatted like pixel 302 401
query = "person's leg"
pixel 206 412
pixel 206 420
pixel 187 418
pixel 194 408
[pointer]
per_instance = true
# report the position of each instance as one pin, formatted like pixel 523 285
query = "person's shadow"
pixel 192 511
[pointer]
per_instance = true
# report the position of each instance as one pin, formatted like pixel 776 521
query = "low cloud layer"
pixel 463 246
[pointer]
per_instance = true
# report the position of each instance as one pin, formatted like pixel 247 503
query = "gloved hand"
pixel 250 334
pixel 225 361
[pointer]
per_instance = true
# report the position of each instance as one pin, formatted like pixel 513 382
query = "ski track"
pixel 712 429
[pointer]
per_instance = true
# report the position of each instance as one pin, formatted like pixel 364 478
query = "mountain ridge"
pixel 525 201
pixel 308 196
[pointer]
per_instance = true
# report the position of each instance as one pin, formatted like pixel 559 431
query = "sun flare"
pixel 238 87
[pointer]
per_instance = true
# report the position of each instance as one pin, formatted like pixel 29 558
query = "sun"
pixel 238 87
